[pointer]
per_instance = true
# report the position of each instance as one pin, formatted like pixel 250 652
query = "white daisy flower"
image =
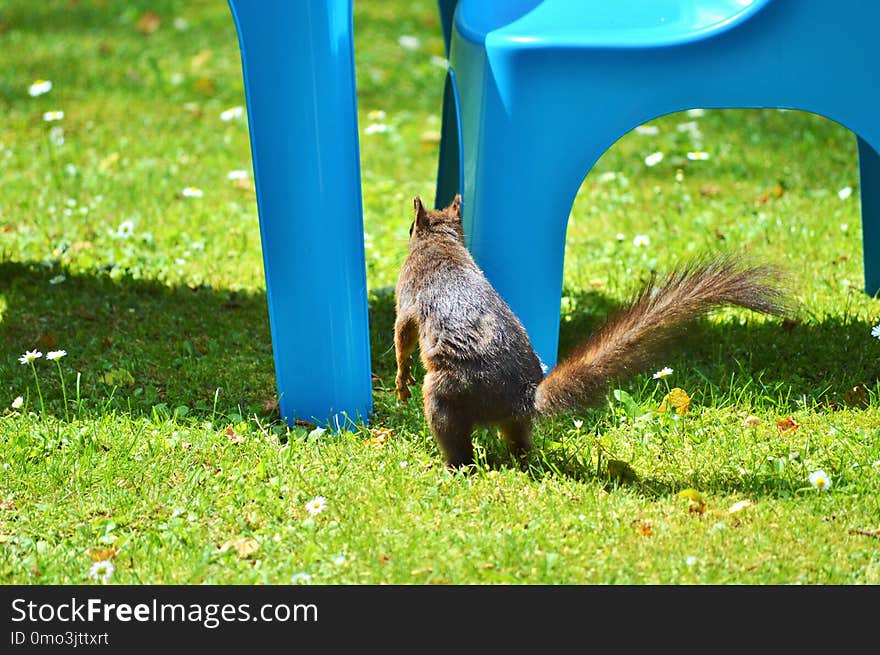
pixel 820 480
pixel 408 42
pixel 376 128
pixel 698 155
pixel 845 192
pixel 662 373
pixel 316 505
pixel 102 571
pixel 648 130
pixel 52 355
pixel 875 331
pixel 125 230
pixel 192 192
pixel 18 402
pixel 58 279
pixel 30 356
pixel 231 113
pixel 39 87
pixel 641 240
pixel 50 116
pixel 237 175
pixel 653 159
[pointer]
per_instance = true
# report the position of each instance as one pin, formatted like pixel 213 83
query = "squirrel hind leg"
pixel 452 429
pixel 518 434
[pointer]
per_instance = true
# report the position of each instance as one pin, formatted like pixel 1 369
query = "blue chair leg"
pixel 869 189
pixel 298 64
pixel 449 160
pixel 513 226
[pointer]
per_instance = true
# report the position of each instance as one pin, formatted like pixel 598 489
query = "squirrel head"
pixel 433 223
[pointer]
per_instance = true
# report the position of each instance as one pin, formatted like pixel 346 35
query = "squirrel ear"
pixel 455 207
pixel 420 213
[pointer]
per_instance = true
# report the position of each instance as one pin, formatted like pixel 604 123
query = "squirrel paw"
pixel 402 391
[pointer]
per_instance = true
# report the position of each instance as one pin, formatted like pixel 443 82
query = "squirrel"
pixel 480 366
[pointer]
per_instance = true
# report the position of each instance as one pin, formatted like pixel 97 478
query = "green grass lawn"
pixel 163 451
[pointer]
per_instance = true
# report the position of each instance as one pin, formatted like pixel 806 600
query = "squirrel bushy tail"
pixel 634 336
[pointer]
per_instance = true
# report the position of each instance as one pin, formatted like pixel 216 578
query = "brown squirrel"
pixel 481 368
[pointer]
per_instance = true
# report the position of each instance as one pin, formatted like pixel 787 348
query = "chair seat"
pixel 617 24
pixel 537 90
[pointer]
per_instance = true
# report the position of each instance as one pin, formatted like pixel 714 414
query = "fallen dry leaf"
pixel 244 184
pixel 204 85
pixel 108 162
pixel 430 136
pixel 751 421
pixel 233 436
pixel 645 528
pixel 199 60
pixel 696 502
pixel 148 23
pixel 243 546
pixel 380 436
pixel 710 190
pixel 676 399
pixel 787 425
pixel 101 554
pixel 6 504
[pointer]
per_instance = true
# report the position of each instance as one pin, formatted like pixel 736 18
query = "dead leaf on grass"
pixel 787 425
pixel 380 436
pixel 244 547
pixel 97 554
pixel 676 399
pixel 645 528
pixel 233 436
pixel 696 501
pixel 148 23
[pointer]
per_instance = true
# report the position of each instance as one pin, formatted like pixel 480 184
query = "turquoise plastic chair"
pixel 298 63
pixel 539 89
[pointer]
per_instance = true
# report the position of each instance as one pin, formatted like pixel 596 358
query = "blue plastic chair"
pixel 298 63
pixel 541 88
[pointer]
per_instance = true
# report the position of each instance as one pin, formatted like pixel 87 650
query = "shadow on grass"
pixel 156 344
pixel 160 344
pixel 179 345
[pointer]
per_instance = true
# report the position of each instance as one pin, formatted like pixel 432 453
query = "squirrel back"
pixel 481 367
